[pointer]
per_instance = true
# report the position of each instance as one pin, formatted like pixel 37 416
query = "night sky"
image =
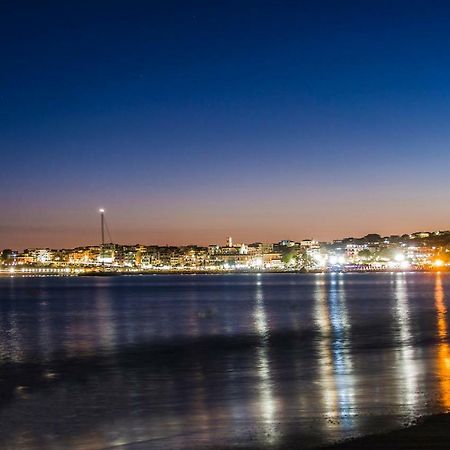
pixel 191 121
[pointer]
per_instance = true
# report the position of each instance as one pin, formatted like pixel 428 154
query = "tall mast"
pixel 102 220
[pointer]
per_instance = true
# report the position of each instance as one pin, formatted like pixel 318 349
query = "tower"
pixel 102 224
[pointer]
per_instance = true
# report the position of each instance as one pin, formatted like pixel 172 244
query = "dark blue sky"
pixel 191 121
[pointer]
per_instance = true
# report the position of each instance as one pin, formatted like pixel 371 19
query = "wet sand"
pixel 431 432
pixel 428 433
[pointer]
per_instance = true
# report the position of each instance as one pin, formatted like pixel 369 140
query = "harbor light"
pixel 258 262
pixel 399 257
pixel 404 265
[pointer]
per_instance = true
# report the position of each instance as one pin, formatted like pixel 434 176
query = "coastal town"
pixel 418 251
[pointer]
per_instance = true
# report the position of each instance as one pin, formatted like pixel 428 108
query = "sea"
pixel 219 361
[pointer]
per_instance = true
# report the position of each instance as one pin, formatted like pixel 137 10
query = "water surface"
pixel 201 361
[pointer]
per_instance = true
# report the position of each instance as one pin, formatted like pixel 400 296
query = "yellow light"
pixel 438 263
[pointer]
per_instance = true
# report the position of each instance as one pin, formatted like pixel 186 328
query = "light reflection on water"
pixel 267 401
pixel 443 361
pixel 342 358
pixel 335 361
pixel 185 362
pixel 323 323
pixel 408 364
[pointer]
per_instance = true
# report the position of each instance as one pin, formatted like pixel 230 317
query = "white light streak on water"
pixel 408 364
pixel 267 401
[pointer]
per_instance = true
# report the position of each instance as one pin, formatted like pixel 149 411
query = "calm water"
pixel 175 362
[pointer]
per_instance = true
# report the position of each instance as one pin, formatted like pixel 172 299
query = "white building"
pixel 41 255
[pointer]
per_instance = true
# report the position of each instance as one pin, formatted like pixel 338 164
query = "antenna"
pixel 102 221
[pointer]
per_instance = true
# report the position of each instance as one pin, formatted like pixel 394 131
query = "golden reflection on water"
pixel 265 385
pixel 443 354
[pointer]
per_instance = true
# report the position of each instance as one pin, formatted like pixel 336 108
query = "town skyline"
pixel 420 251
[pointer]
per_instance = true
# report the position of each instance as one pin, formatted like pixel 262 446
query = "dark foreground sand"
pixel 429 433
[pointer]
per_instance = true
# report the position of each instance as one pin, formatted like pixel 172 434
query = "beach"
pixel 429 433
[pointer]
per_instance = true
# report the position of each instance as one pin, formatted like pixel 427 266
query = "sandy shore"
pixel 429 433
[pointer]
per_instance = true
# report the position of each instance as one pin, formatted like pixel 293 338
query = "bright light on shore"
pixel 438 263
pixel 405 265
pixel 258 262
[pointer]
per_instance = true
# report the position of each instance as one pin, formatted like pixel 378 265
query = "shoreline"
pixel 50 273
pixel 429 432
